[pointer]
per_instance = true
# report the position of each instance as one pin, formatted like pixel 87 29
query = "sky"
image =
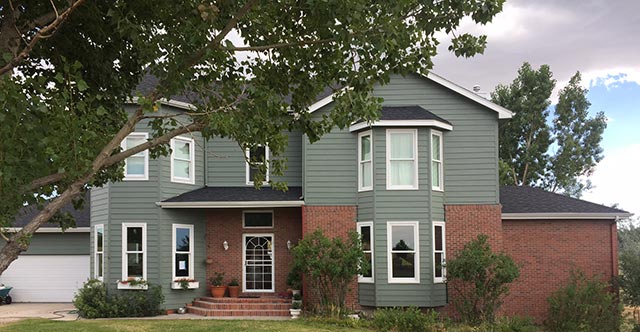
pixel 601 39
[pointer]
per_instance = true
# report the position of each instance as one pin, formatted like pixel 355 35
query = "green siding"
pixel 59 244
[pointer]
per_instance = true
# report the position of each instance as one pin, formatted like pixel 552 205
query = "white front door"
pixel 257 264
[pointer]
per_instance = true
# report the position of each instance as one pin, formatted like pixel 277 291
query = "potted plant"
pixel 296 308
pixel 294 280
pixel 234 288
pixel 297 298
pixel 217 288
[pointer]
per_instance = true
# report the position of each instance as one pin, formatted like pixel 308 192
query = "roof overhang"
pixel 168 102
pixel 566 216
pixel 401 123
pixel 229 205
pixel 51 230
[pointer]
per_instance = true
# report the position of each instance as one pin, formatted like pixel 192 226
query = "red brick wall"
pixel 226 225
pixel 547 250
pixel 334 221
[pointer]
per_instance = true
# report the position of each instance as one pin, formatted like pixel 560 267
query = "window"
pixel 402 157
pixel 257 219
pixel 403 255
pixel 439 270
pixel 98 259
pixel 136 167
pixel 182 251
pixel 258 155
pixel 436 161
pixel 182 160
pixel 365 229
pixel 365 171
pixel 134 251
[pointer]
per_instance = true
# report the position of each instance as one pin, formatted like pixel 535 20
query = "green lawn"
pixel 140 325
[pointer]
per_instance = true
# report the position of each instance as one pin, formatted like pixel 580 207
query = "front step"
pixel 235 307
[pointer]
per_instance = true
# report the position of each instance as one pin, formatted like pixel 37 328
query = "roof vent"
pixel 476 88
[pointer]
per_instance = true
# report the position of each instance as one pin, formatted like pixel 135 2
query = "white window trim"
pixel 244 225
pixel 125 271
pixel 249 180
pixel 192 159
pixel 416 278
pixel 444 251
pixel 96 252
pixel 369 224
pixel 360 162
pixel 136 177
pixel 415 159
pixel 191 253
pixel 440 162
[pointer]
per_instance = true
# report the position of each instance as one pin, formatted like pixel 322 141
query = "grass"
pixel 143 325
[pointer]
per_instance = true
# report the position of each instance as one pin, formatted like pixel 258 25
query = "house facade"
pixel 417 184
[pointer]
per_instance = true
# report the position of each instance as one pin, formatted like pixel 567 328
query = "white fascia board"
pixel 51 230
pixel 503 113
pixel 168 102
pixel 401 123
pixel 322 102
pixel 225 205
pixel 566 215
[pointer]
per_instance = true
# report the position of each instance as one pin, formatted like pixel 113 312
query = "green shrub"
pixel 93 301
pixel 479 279
pixel 583 305
pixel 630 276
pixel 407 319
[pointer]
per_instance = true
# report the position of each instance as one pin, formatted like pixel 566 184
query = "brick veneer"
pixel 547 251
pixel 226 225
pixel 334 221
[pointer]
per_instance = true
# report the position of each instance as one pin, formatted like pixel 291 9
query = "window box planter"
pixel 192 285
pixel 133 284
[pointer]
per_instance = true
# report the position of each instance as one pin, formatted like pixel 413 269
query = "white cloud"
pixel 615 179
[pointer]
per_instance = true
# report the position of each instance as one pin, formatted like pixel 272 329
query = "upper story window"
pixel 136 167
pixel 257 219
pixel 182 252
pixel 98 259
pixel 439 270
pixel 365 229
pixel 258 155
pixel 403 256
pixel 134 253
pixel 402 159
pixel 182 160
pixel 437 177
pixel 365 166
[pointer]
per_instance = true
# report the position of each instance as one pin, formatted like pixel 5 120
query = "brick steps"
pixel 236 307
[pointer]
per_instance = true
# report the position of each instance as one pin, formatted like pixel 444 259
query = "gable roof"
pixel 503 113
pixel 82 217
pixel 523 202
pixel 230 197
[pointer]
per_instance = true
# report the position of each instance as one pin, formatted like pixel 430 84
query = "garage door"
pixel 36 278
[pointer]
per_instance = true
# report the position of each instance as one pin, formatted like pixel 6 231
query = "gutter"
pixel 52 230
pixel 229 205
pixel 565 215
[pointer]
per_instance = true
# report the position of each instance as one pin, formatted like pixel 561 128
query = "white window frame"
pixel 414 186
pixel 416 252
pixel 249 180
pixel 192 159
pixel 440 162
pixel 125 272
pixel 244 225
pixel 369 224
pixel 361 162
pixel 442 279
pixel 136 177
pixel 98 262
pixel 191 254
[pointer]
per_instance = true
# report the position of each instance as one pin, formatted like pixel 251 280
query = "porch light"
pixel 225 245
pixel 288 244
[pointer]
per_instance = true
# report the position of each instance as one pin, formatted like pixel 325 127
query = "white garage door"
pixel 54 278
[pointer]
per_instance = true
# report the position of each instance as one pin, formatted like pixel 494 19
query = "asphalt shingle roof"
pixel 408 113
pixel 520 199
pixel 81 216
pixel 238 194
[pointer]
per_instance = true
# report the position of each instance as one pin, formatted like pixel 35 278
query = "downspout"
pixel 206 171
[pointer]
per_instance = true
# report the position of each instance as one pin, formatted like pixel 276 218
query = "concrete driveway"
pixel 17 311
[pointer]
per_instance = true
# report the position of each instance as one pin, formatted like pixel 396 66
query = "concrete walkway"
pixel 17 311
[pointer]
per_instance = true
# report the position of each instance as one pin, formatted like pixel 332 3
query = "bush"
pixel 93 301
pixel 630 276
pixel 480 278
pixel 409 319
pixel 583 305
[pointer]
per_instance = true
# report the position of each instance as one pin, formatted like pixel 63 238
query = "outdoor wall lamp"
pixel 288 244
pixel 225 245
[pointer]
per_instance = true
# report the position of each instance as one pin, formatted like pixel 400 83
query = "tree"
pixel 557 157
pixel 68 66
pixel 629 246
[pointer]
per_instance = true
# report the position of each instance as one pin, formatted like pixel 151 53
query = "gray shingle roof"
pixel 408 113
pixel 238 194
pixel 518 199
pixel 81 216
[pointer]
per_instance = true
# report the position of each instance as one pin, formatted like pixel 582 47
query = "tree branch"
pixel 278 45
pixel 43 181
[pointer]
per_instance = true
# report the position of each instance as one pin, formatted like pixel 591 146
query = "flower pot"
pixel 295 313
pixel 234 291
pixel 218 291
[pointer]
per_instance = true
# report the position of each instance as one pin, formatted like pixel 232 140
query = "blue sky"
pixel 597 38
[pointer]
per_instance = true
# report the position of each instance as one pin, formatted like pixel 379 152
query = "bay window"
pixel 403 255
pixel 402 159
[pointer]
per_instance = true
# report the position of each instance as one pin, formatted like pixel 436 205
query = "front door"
pixel 258 263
